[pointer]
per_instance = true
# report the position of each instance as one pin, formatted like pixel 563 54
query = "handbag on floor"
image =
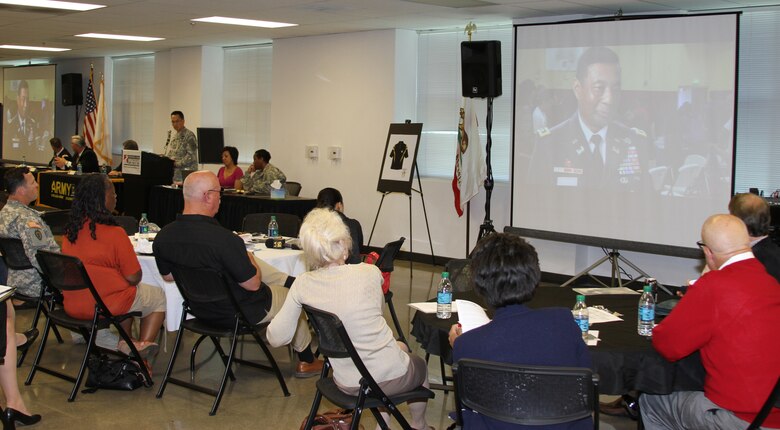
pixel 337 419
pixel 112 374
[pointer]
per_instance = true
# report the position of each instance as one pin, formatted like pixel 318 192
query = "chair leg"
pixel 192 355
pixel 84 361
pixel 443 372
pixel 229 363
pixel 273 364
pixel 39 354
pixel 134 354
pixel 224 356
pixel 397 323
pixel 169 370
pixel 379 419
pixel 315 406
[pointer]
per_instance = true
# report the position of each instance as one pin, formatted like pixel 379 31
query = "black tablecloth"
pixel 56 189
pixel 623 359
pixel 165 203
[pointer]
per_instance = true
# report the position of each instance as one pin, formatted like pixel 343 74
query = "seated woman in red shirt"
pixel 94 236
pixel 230 172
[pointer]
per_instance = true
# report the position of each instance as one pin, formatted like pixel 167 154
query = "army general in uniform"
pixel 18 220
pixel 591 149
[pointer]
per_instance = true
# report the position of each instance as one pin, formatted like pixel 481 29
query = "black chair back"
pixel 56 220
pixel 129 223
pixel 13 254
pixel 772 401
pixel 67 273
pixel 202 288
pixel 289 224
pixel 292 188
pixel 460 274
pixel 527 395
pixel 334 342
pixel 387 257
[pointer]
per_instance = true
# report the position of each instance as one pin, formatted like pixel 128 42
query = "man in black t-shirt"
pixel 197 240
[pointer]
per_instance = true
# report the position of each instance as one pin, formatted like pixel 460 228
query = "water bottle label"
pixel 647 313
pixel 584 324
pixel 444 298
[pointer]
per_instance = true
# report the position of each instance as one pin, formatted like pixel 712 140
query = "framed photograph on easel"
pixel 400 158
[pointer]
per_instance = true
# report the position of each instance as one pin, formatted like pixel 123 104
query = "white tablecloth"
pixel 289 261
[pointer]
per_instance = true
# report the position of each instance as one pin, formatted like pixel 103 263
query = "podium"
pixel 155 170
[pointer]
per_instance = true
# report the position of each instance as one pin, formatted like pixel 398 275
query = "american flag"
pixel 90 114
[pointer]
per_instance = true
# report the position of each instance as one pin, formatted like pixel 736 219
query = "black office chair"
pixel 772 401
pixel 460 274
pixel 289 224
pixel 385 262
pixel 15 258
pixel 67 273
pixel 129 223
pixel 204 288
pixel 292 188
pixel 56 220
pixel 334 342
pixel 526 395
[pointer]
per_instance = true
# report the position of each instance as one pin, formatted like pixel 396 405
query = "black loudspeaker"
pixel 211 141
pixel 481 68
pixel 71 89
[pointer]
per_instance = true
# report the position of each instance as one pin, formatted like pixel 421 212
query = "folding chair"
pixel 526 395
pixel 335 343
pixel 16 259
pixel 289 224
pixel 772 401
pixel 67 273
pixel 202 288
pixel 292 188
pixel 129 223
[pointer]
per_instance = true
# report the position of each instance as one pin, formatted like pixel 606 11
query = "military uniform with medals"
pixel 563 157
pixel 23 222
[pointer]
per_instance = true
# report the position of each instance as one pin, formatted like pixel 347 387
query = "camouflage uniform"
pixel 260 181
pixel 183 149
pixel 23 222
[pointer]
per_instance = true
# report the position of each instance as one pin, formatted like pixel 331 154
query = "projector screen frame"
pixel 595 240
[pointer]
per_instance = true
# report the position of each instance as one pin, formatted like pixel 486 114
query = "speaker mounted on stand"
pixel 481 78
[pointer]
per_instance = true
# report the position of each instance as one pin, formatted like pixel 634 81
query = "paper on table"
pixel 593 338
pixel 596 316
pixel 470 315
pixel 597 291
pixel 430 307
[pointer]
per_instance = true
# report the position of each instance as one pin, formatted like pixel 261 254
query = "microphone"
pixel 167 141
pixel 271 243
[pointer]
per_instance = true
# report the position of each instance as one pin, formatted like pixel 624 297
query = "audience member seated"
pixel 129 145
pixel 93 235
pixel 19 221
pixel 230 173
pixel 354 294
pixel 730 315
pixel 197 240
pixel 505 270
pixel 754 212
pixel 330 198
pixel 260 174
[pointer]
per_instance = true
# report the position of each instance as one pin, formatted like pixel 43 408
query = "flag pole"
pixel 469 30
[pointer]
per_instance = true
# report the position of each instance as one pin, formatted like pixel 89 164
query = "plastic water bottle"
pixel 444 297
pixel 273 227
pixel 581 316
pixel 646 317
pixel 143 225
pixel 78 169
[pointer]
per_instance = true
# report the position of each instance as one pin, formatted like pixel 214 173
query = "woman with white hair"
pixel 354 293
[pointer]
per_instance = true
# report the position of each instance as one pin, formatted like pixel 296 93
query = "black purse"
pixel 113 374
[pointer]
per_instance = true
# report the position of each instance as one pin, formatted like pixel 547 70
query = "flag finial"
pixel 470 29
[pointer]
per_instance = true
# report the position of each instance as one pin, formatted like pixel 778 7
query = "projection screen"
pixel 624 129
pixel 28 114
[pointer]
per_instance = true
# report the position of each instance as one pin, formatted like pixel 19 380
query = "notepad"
pixel 470 315
pixel 6 292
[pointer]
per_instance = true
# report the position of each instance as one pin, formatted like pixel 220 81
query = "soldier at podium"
pixel 181 147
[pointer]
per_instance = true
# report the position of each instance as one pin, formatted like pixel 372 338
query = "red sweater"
pixel 732 316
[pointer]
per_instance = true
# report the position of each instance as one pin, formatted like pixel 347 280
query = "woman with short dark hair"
pixel 505 272
pixel 230 172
